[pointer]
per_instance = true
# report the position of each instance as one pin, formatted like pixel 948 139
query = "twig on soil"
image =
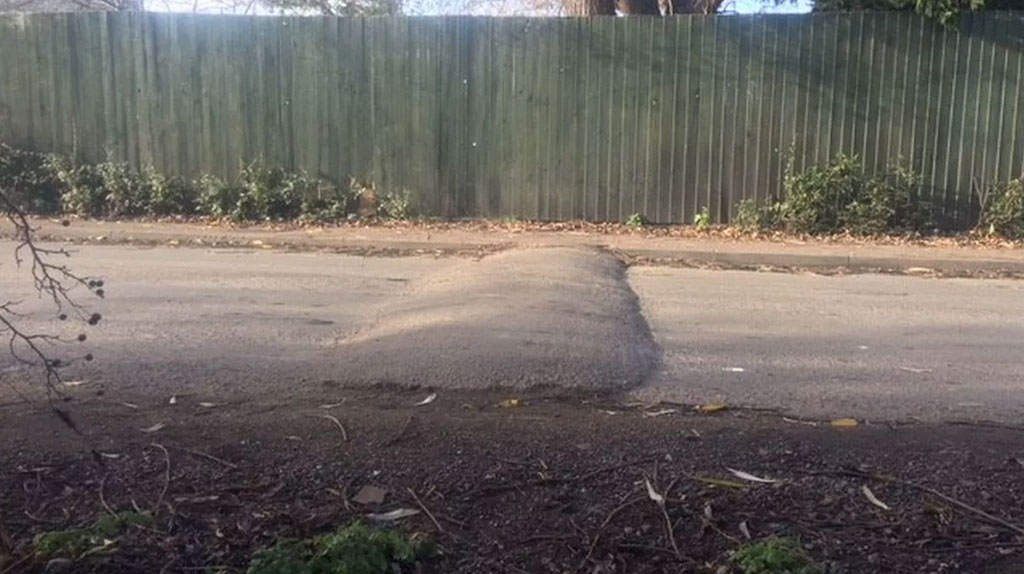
pixel 103 500
pixel 659 501
pixel 401 433
pixel 14 566
pixel 337 423
pixel 167 566
pixel 607 520
pixel 426 510
pixel 485 490
pixel 932 491
pixel 167 475
pixel 201 454
pixel 344 494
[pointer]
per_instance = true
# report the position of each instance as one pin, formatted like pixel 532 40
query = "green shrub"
pixel 217 198
pixel 355 549
pixel 29 180
pixel 1002 209
pixel 752 216
pixel 126 191
pixel 817 198
pixel 271 193
pixel 775 556
pixel 169 195
pixel 840 197
pixel 263 193
pixel 83 192
pixel 396 204
pixel 328 203
pixel 889 204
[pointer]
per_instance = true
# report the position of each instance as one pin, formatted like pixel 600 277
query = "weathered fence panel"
pixel 536 118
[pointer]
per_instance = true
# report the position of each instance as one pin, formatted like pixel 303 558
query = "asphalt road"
pixel 873 346
pixel 223 325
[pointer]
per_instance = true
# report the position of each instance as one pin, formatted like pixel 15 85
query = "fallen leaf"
pixel 844 423
pixel 510 403
pixel 370 494
pixel 652 494
pixel 430 398
pixel 873 499
pixel 397 514
pixel 662 412
pixel 712 408
pixel 745 530
pixel 153 428
pixel 750 477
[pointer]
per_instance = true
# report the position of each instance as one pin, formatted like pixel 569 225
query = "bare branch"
pixel 54 281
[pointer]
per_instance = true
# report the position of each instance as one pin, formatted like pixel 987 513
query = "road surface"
pixel 224 325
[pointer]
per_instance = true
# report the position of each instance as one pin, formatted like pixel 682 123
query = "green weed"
pixel 702 220
pixel 75 543
pixel 355 549
pixel 637 220
pixel 396 205
pixel 775 556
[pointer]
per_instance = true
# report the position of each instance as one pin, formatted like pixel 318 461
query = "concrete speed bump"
pixel 526 317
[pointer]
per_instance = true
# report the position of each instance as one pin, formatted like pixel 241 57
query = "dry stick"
pixel 932 491
pixel 555 481
pixel 426 510
pixel 607 520
pixel 344 494
pixel 13 567
pixel 401 432
pixel 337 423
pixel 956 502
pixel 103 501
pixel 669 530
pixel 167 475
pixel 230 465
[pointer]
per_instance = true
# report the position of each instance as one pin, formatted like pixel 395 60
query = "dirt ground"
pixel 555 484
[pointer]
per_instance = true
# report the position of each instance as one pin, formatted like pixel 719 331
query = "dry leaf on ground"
pixel 751 477
pixel 873 499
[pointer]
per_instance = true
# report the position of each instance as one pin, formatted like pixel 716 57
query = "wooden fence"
pixel 535 118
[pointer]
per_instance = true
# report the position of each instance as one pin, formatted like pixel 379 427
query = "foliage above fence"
pixel 533 118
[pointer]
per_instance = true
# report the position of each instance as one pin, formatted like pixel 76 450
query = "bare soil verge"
pixel 553 483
